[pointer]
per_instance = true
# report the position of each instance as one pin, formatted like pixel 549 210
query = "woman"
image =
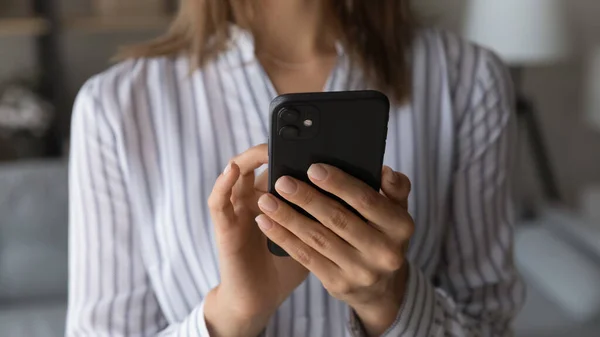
pixel 165 242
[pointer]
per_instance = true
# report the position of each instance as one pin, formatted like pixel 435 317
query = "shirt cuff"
pixel 201 327
pixel 416 315
pixel 355 326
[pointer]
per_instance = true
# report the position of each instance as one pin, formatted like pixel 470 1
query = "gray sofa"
pixel 33 248
pixel 559 257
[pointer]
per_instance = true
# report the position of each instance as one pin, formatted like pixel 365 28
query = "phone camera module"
pixel 297 122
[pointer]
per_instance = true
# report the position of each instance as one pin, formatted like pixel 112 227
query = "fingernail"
pixel 264 222
pixel 286 185
pixel 317 172
pixel 227 169
pixel 392 177
pixel 267 204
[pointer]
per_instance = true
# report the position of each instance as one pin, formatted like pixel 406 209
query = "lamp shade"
pixel 522 32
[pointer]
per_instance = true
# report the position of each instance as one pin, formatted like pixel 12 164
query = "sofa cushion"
pixel 33 230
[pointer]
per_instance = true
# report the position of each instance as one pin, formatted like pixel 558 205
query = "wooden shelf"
pixel 98 24
pixel 23 27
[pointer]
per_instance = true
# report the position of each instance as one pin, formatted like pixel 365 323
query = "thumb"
pixel 396 186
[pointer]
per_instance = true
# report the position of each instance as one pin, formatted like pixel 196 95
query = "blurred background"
pixel 48 48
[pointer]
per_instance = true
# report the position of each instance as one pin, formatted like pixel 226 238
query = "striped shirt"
pixel 149 139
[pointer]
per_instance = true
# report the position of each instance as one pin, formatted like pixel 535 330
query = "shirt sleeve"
pixel 110 292
pixel 476 290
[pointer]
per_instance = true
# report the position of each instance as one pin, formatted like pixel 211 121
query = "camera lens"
pixel 289 115
pixel 289 132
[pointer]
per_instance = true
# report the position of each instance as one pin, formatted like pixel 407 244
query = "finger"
pixel 329 213
pixel 248 162
pixel 319 265
pixel 369 203
pixel 312 233
pixel 396 186
pixel 261 183
pixel 252 159
pixel 219 201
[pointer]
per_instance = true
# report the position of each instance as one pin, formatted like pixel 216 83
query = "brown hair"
pixel 377 34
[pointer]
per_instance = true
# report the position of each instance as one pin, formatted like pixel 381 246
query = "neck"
pixel 293 30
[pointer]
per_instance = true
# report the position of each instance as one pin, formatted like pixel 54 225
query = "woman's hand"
pixel 253 282
pixel 361 263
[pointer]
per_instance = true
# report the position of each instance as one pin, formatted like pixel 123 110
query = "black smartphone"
pixel 345 129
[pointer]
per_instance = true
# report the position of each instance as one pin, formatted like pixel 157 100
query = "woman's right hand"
pixel 253 281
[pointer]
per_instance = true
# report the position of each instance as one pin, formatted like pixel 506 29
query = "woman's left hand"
pixel 361 263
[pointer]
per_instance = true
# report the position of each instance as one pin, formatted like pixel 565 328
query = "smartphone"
pixel 345 129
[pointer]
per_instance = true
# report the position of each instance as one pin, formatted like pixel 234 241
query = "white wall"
pixel 574 146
